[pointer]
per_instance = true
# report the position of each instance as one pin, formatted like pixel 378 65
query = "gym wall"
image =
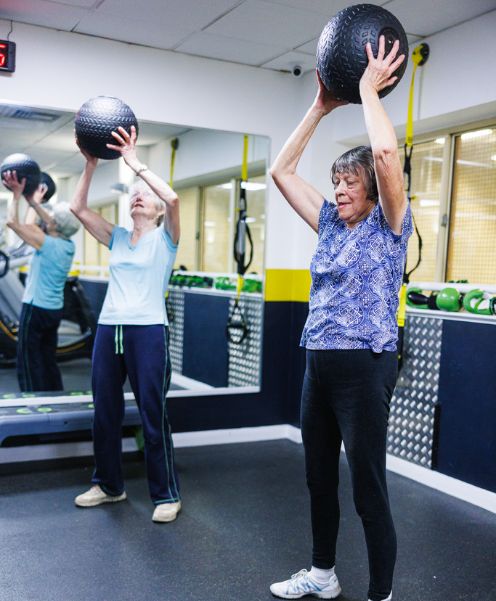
pixel 455 88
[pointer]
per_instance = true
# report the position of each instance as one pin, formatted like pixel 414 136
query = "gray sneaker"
pixel 301 584
pixel 95 496
pixel 166 512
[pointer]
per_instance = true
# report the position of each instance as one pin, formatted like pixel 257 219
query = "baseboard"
pixel 450 486
pixel 445 484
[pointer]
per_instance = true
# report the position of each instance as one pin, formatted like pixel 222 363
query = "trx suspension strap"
pixel 237 328
pixel 419 57
pixel 174 146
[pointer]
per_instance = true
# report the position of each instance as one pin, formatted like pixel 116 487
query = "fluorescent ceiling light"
pixel 473 164
pixel 253 186
pixel 427 202
pixel 250 186
pixel 469 135
pixel 440 141
pixel 493 158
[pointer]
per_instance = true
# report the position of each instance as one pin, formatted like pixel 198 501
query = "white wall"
pixel 62 70
pixel 456 86
pixel 203 152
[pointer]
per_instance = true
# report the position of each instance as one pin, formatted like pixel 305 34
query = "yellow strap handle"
pixel 244 164
pixel 417 58
pixel 174 146
pixel 400 317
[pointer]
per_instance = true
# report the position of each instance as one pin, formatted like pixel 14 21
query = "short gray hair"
pixel 66 223
pixel 360 162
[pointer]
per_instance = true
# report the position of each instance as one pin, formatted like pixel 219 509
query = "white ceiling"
pixel 272 34
pixel 52 145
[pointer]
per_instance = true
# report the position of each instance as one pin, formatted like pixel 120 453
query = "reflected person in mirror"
pixel 351 332
pixel 43 299
pixel 132 337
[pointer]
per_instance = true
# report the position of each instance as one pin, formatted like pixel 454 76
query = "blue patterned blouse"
pixel 356 277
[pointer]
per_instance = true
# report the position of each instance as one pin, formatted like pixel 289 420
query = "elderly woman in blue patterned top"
pixel 351 333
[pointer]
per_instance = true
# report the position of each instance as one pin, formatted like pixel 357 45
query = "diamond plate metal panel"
pixel 411 419
pixel 175 313
pixel 245 358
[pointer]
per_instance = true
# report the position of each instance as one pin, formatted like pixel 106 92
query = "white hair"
pixel 66 223
pixel 141 187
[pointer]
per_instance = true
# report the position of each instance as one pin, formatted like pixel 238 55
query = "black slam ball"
pixel 97 119
pixel 25 167
pixel 341 56
pixel 51 188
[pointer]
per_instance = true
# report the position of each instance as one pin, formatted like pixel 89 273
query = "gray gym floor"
pixel 245 523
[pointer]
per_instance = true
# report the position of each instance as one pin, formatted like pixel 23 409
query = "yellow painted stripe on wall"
pixel 287 285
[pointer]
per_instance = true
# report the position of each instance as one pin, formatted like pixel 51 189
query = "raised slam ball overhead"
pixel 97 119
pixel 25 167
pixel 341 56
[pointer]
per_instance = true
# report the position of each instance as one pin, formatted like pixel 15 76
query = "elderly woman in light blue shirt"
pixel 132 337
pixel 43 299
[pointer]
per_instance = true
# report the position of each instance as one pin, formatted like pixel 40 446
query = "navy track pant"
pixel 142 353
pixel 37 368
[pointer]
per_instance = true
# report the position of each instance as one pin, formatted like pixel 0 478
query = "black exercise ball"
pixel 97 119
pixel 50 186
pixel 25 167
pixel 341 55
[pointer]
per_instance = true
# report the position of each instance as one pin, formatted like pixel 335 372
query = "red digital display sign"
pixel 7 56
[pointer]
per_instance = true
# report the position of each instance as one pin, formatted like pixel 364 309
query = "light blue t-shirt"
pixel 356 277
pixel 138 278
pixel 48 272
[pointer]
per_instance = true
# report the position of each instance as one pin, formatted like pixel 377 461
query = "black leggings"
pixel 345 398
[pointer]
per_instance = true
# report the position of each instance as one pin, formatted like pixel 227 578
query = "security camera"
pixel 296 70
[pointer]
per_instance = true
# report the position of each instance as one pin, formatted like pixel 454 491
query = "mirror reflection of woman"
pixel 351 332
pixel 132 338
pixel 43 299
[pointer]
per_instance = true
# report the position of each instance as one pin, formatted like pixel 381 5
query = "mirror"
pixel 215 341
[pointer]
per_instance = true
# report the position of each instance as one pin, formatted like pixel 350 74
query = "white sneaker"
pixel 166 512
pixel 95 496
pixel 301 584
pixel 389 598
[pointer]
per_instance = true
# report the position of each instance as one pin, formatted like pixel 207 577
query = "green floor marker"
pixel 44 409
pixel 91 406
pixel 23 410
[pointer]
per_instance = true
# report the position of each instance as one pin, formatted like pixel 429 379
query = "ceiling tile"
pixel 309 47
pixel 324 7
pixel 263 22
pixel 124 29
pixel 287 61
pixel 80 3
pixel 41 12
pixel 425 17
pixel 229 49
pixel 189 15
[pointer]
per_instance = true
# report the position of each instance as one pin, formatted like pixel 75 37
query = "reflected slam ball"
pixel 97 119
pixel 50 186
pixel 25 167
pixel 341 55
